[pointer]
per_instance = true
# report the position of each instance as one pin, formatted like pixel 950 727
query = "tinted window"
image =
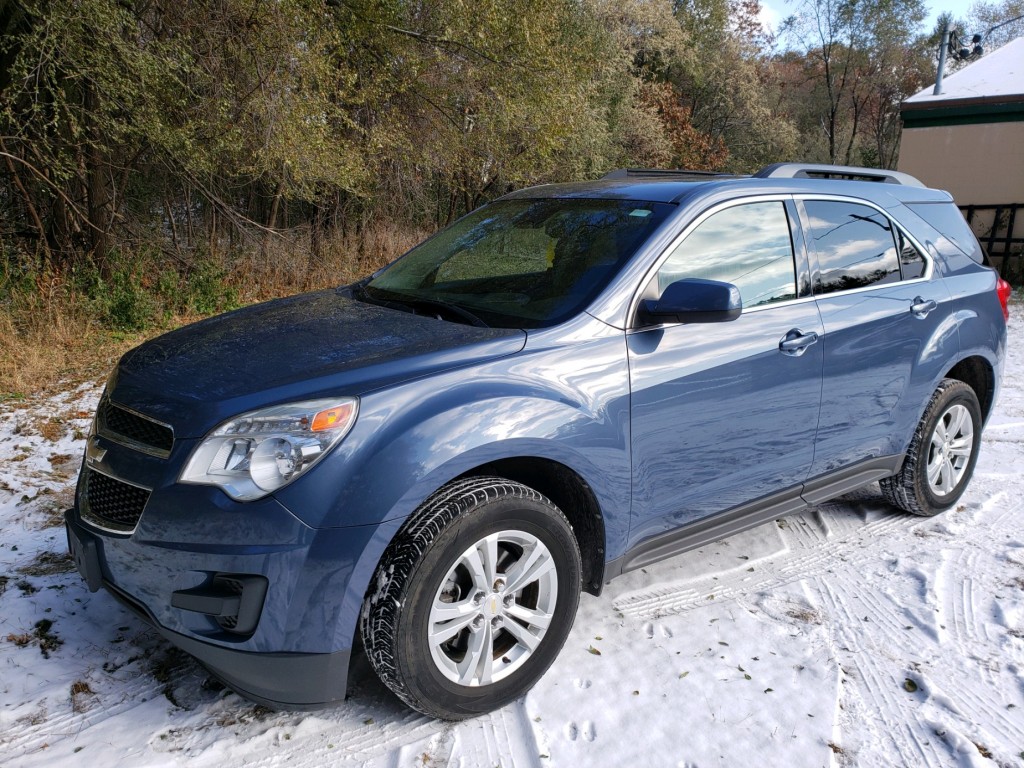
pixel 855 246
pixel 911 261
pixel 521 263
pixel 746 245
pixel 947 219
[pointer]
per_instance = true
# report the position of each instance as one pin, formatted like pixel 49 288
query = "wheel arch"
pixel 562 484
pixel 570 493
pixel 977 373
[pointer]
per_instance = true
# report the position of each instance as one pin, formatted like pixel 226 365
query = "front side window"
pixel 854 243
pixel 521 263
pixel 747 245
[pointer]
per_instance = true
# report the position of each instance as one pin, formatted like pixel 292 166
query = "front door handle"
pixel 796 342
pixel 921 307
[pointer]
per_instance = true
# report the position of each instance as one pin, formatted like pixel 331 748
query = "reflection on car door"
pixel 888 333
pixel 721 413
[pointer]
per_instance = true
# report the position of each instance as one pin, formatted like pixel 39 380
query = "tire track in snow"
pixel 399 740
pixel 342 737
pixel 505 737
pixel 945 715
pixel 882 614
pixel 958 601
pixel 118 698
pixel 967 631
pixel 889 717
pixel 805 556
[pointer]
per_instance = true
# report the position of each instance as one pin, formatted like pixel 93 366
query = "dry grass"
pixel 52 339
pixel 48 511
pixel 48 564
pixel 20 640
pixel 81 692
pixel 284 265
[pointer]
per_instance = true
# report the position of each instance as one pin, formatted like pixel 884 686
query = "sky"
pixel 773 11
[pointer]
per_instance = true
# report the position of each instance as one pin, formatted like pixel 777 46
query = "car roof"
pixel 883 187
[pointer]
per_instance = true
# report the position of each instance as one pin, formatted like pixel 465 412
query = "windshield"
pixel 520 263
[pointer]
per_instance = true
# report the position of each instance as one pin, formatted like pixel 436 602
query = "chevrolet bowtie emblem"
pixel 93 453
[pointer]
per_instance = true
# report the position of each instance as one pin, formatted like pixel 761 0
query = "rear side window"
pixel 855 246
pixel 947 220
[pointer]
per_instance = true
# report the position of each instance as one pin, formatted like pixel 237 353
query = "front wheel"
pixel 474 598
pixel 942 454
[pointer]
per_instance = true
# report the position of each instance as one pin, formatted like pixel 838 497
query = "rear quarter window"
pixel 946 219
pixel 911 261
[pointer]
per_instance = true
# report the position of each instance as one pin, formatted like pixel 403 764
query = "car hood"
pixel 312 345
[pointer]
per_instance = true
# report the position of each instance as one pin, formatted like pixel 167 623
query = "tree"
pixel 983 16
pixel 728 84
pixel 856 72
pixel 110 107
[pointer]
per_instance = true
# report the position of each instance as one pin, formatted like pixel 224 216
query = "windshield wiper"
pixel 418 302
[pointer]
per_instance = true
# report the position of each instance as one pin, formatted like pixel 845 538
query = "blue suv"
pixel 567 384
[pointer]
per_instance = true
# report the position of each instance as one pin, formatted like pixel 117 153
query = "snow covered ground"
pixel 849 635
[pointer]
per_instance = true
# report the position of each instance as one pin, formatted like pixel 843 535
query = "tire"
pixel 942 454
pixel 443 624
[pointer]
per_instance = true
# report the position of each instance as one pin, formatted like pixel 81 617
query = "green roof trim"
pixel 918 116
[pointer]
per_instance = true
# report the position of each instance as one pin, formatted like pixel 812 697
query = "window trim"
pixel 929 269
pixel 801 256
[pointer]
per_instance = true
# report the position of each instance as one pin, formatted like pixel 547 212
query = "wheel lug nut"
pixel 508 600
pixel 496 622
pixel 479 597
pixel 499 584
pixel 478 623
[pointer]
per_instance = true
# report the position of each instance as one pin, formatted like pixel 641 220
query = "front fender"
pixel 567 403
pixel 376 539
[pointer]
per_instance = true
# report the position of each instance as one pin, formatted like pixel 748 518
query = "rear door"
pixel 721 415
pixel 888 331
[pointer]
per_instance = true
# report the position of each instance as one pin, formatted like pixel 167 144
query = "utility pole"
pixel 959 51
pixel 943 46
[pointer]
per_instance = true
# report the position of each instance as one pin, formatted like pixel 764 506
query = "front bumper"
pixel 279 680
pixel 297 654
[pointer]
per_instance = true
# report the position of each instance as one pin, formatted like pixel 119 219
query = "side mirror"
pixel 694 301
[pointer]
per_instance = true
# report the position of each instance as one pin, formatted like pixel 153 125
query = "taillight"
pixel 1003 291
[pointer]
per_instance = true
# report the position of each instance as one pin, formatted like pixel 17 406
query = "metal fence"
pixel 1000 228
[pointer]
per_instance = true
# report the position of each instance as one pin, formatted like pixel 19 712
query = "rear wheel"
pixel 942 454
pixel 473 599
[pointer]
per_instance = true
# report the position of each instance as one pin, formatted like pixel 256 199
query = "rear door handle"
pixel 796 342
pixel 921 307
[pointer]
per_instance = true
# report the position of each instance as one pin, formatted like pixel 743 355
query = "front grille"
pixel 112 504
pixel 134 430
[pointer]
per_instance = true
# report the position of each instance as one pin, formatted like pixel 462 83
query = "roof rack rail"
pixel 848 172
pixel 625 173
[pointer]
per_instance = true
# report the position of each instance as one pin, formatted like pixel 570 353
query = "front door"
pixel 725 413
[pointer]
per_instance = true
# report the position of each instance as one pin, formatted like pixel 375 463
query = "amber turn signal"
pixel 329 418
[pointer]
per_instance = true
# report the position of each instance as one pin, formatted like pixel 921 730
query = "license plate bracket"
pixel 85 553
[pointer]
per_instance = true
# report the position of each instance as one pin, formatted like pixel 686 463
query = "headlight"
pixel 258 452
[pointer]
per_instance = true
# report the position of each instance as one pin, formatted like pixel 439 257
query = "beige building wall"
pixel 978 164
